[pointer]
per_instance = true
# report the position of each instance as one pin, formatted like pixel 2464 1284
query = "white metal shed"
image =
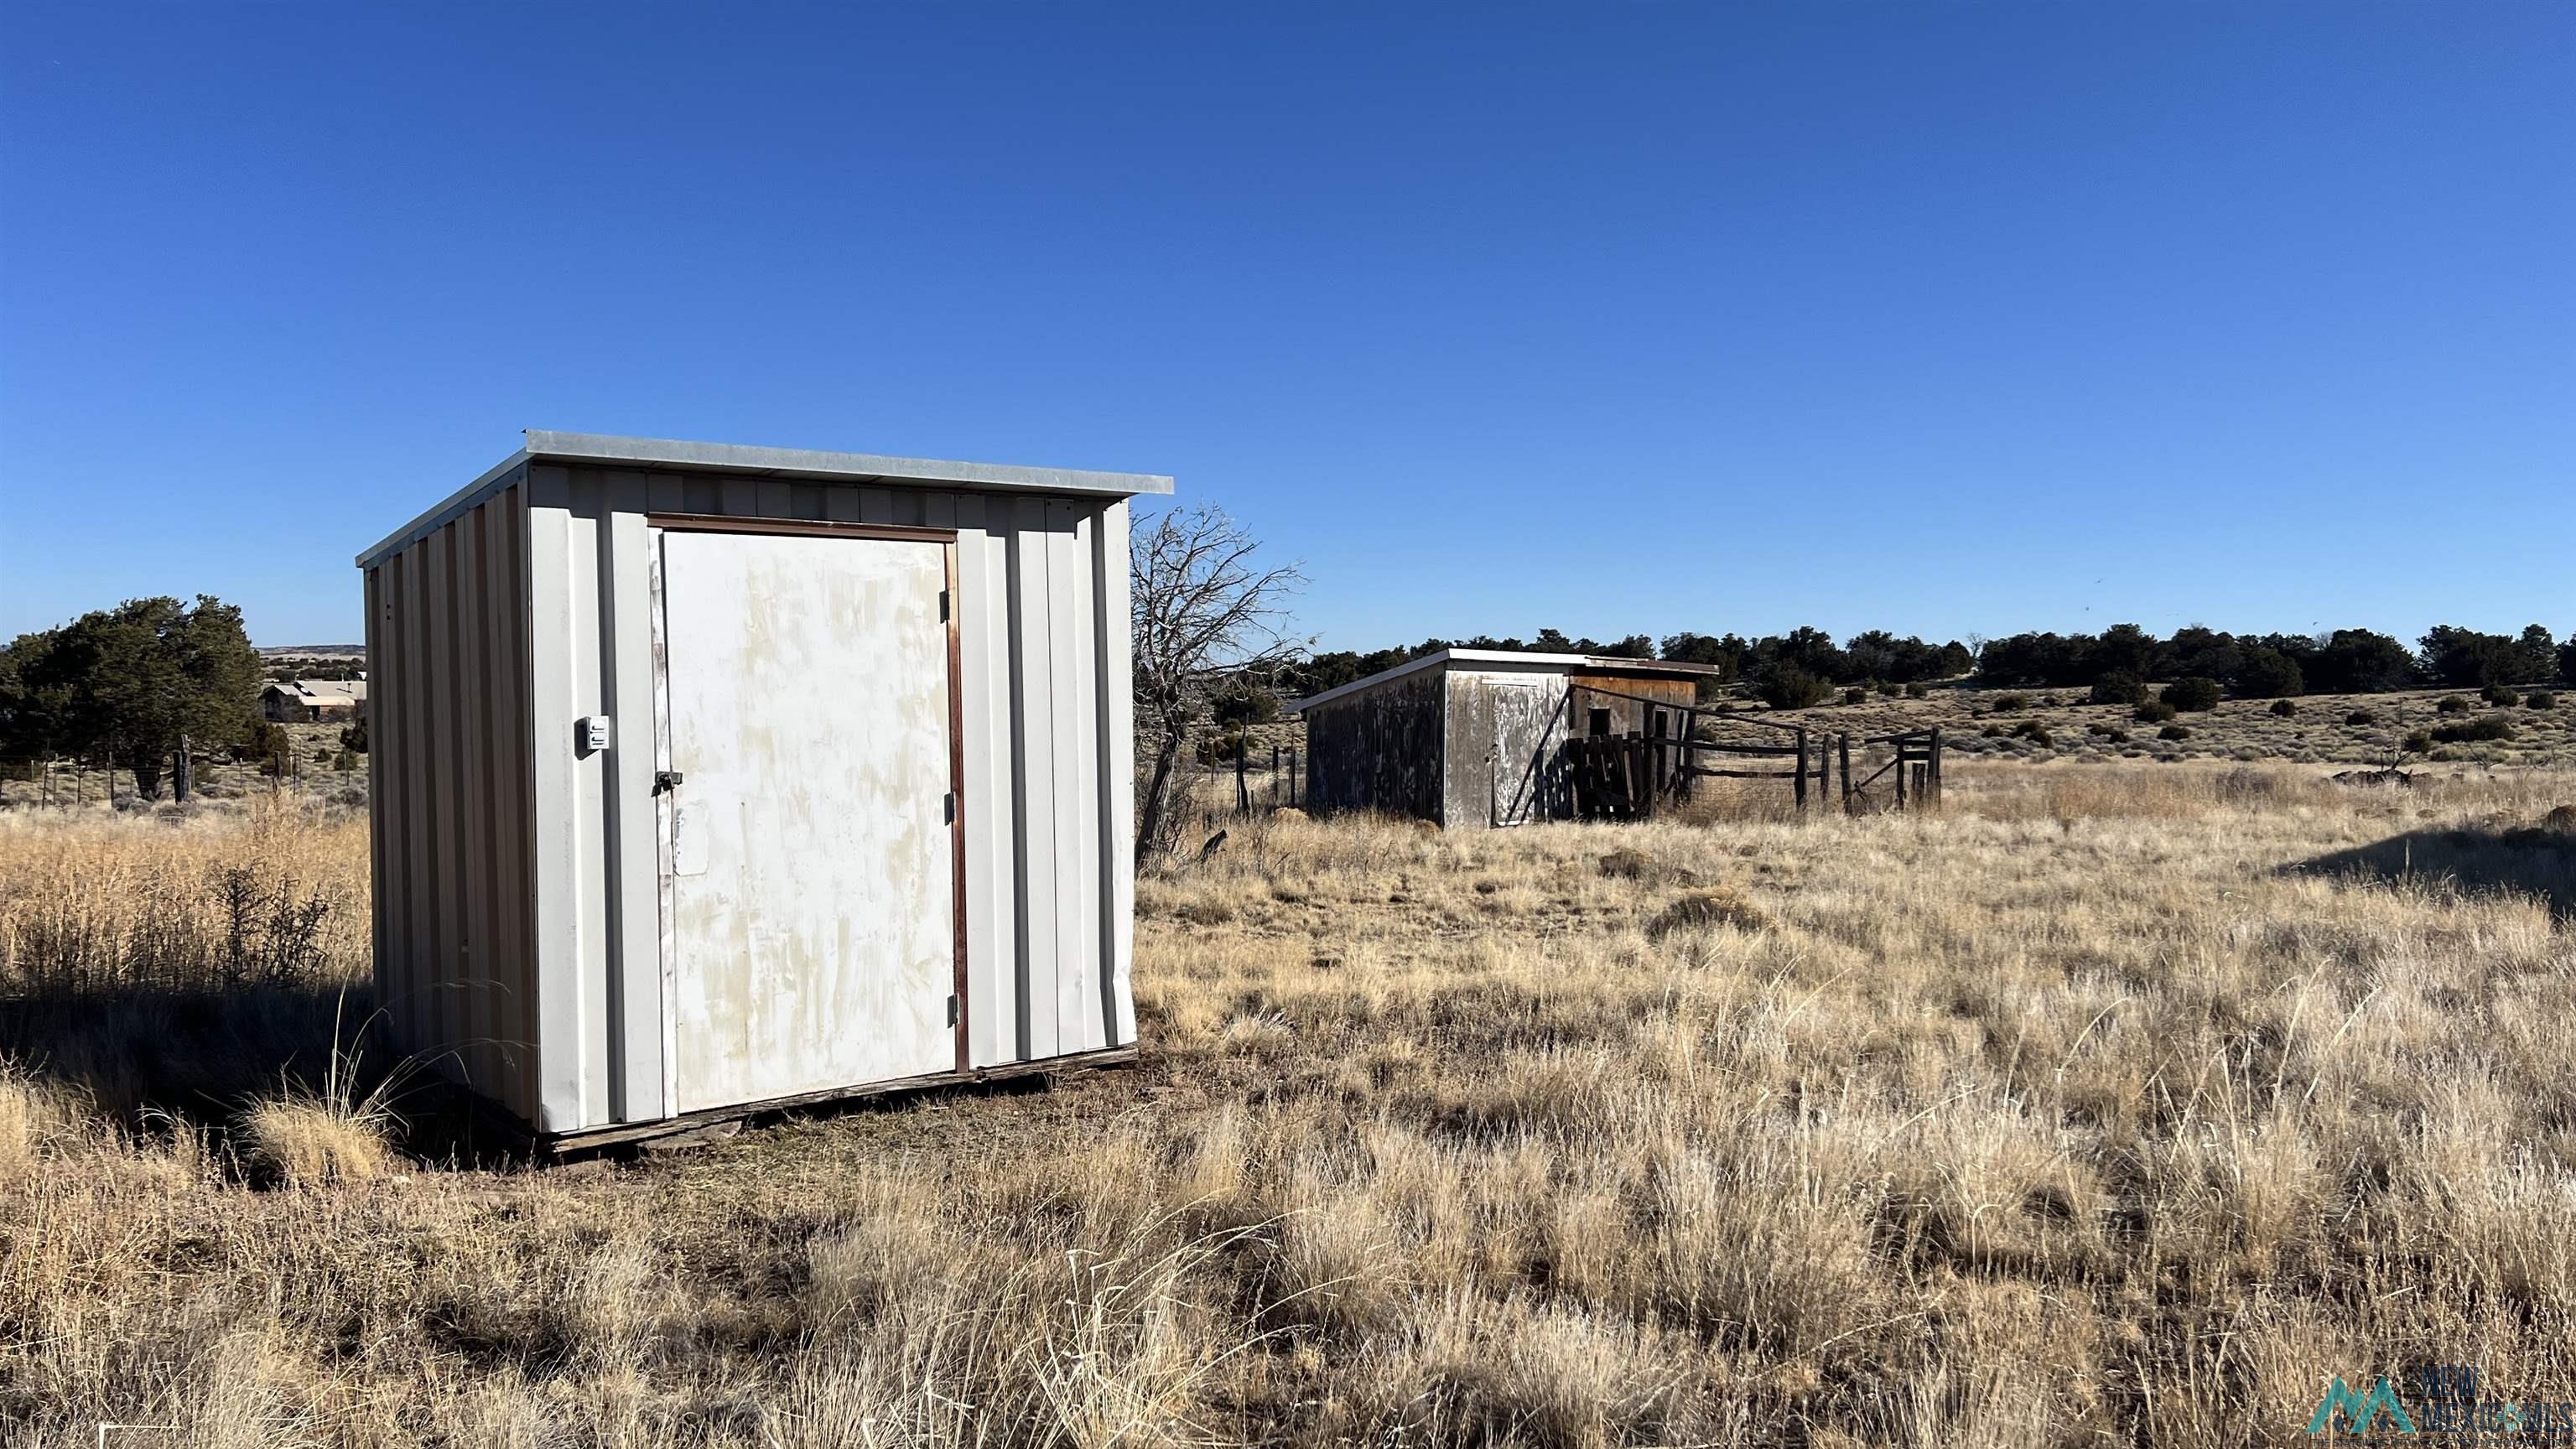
pixel 708 779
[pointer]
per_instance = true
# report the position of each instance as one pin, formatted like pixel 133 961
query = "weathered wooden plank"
pixel 693 1121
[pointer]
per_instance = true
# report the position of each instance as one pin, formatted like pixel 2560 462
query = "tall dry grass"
pixel 2102 1107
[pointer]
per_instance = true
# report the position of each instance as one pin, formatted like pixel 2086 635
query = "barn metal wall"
pixel 1048 729
pixel 448 719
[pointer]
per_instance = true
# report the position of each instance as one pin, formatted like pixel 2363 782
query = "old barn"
pixel 1476 737
pixel 711 778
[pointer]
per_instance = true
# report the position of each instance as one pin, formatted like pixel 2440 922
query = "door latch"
pixel 665 781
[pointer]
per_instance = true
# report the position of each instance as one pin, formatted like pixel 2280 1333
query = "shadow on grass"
pixel 2525 862
pixel 203 1055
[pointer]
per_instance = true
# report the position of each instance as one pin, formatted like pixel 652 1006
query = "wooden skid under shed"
pixel 557 1144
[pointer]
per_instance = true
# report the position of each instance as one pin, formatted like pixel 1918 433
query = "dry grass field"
pixel 2345 729
pixel 2120 1103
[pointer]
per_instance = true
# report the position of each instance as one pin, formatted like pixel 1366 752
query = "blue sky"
pixel 1946 318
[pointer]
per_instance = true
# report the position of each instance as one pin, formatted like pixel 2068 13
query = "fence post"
pixel 1843 742
pixel 1936 768
pixel 1899 772
pixel 1802 768
pixel 1242 793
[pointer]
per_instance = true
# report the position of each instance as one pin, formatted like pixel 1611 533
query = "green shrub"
pixel 1788 687
pixel 2283 708
pixel 2417 742
pixel 2360 718
pixel 2487 728
pixel 2540 699
pixel 2502 696
pixel 1917 691
pixel 2153 711
pixel 2174 732
pixel 2200 692
pixel 345 761
pixel 2033 731
pixel 2009 703
pixel 354 738
pixel 2119 687
pixel 1855 696
pixel 2117 736
pixel 2264 673
pixel 2452 704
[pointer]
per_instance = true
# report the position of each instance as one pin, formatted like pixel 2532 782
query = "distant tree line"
pixel 143 686
pixel 1805 665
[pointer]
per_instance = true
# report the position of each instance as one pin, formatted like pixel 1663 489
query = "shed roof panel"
pixel 598 450
pixel 1510 659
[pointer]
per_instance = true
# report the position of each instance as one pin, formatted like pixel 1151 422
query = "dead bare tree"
pixel 1206 613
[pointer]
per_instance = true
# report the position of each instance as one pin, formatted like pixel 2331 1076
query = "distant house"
pixel 303 701
pixel 1476 737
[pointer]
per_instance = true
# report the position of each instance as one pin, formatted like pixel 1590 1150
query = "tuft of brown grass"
pixel 310 1141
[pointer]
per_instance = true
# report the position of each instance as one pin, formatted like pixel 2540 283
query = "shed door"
pixel 1528 719
pixel 811 909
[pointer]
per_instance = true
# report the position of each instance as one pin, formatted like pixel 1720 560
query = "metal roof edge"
pixel 542 445
pixel 1603 663
pixel 848 467
pixel 494 479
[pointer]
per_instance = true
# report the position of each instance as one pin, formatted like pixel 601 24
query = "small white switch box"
pixel 594 733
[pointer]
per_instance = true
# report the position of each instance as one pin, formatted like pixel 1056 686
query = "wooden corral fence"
pixel 1635 775
pixel 1917 759
pixel 1287 776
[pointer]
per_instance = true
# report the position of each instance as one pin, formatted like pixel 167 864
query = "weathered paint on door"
pixel 1529 715
pixel 812 889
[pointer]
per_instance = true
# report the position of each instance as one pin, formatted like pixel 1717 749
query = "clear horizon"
pixel 1940 319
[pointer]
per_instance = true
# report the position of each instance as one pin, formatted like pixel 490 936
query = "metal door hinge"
pixel 952 1010
pixel 943 606
pixel 664 781
pixel 948 808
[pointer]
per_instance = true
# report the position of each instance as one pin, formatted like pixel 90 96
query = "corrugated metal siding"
pixel 1045 702
pixel 449 718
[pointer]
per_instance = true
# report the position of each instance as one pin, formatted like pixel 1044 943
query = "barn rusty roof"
pixel 1513 659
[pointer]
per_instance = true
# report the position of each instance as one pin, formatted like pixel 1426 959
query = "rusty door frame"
pixel 950 603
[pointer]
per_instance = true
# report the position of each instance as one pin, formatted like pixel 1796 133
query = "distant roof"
pixel 600 450
pixel 1513 658
pixel 323 691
